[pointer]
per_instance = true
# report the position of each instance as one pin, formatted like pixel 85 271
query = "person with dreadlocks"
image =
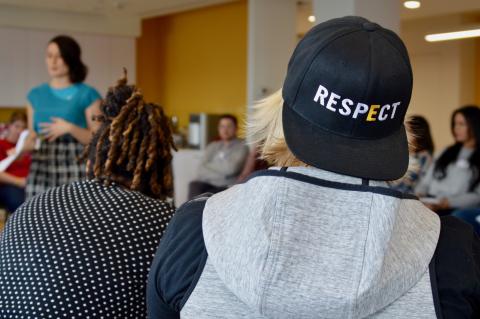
pixel 84 249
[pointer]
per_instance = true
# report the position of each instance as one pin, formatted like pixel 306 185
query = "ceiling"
pixel 428 9
pixel 141 8
pixel 149 8
pixel 431 8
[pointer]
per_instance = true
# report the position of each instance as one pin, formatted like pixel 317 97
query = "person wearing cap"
pixel 321 235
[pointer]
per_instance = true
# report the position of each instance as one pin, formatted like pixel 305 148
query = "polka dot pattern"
pixel 81 250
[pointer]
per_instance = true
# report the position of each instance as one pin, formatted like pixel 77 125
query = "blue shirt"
pixel 65 93
pixel 67 103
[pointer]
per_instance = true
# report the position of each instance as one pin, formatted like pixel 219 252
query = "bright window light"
pixel 453 35
pixel 311 19
pixel 412 4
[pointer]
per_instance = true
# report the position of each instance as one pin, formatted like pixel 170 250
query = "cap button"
pixel 370 26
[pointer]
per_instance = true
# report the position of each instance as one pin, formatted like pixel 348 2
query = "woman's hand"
pixel 28 146
pixel 20 182
pixel 10 179
pixel 11 151
pixel 441 205
pixel 58 127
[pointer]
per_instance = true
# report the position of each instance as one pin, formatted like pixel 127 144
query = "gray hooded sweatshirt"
pixel 314 245
pixel 297 250
pixel 307 243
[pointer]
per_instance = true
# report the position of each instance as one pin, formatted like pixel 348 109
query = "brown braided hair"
pixel 133 144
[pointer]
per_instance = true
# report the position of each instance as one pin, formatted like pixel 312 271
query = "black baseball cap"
pixel 346 93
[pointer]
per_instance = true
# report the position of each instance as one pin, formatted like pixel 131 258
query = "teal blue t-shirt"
pixel 65 93
pixel 67 103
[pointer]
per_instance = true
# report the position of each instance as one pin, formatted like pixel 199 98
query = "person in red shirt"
pixel 13 179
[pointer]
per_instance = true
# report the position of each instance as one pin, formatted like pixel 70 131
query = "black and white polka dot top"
pixel 81 250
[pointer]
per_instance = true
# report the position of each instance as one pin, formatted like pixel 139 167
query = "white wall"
pixel 384 12
pixel 271 40
pixel 93 22
pixel 443 73
pixel 22 55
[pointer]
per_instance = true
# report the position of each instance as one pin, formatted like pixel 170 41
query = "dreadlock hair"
pixel 133 144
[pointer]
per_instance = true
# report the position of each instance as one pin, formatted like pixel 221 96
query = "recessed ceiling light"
pixel 311 19
pixel 412 4
pixel 453 35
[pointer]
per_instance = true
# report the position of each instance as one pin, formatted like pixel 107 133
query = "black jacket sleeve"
pixel 178 263
pixel 457 269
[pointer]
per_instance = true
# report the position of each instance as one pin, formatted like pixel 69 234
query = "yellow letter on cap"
pixel 373 111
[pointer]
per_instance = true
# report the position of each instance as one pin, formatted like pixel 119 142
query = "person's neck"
pixel 228 142
pixel 470 144
pixel 60 82
pixel 117 180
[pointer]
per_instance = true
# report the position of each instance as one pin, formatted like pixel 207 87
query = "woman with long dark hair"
pixel 60 117
pixel 453 180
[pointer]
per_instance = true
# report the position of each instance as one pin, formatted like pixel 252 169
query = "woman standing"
pixel 60 114
pixel 453 180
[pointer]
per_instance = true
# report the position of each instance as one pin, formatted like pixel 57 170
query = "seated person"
pixel 421 154
pixel 223 160
pixel 321 235
pixel 453 181
pixel 13 179
pixel 83 250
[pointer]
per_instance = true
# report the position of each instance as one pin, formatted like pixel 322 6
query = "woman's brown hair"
pixel 133 144
pixel 72 56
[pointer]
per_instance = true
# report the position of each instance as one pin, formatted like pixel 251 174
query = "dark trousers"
pixel 196 188
pixel 444 212
pixel 11 197
pixel 471 216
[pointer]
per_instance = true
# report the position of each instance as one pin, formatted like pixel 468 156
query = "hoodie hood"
pixel 297 248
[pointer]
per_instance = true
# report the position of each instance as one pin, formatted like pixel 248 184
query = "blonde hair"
pixel 412 138
pixel 265 130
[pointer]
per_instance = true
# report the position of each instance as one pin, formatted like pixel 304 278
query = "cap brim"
pixel 380 159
